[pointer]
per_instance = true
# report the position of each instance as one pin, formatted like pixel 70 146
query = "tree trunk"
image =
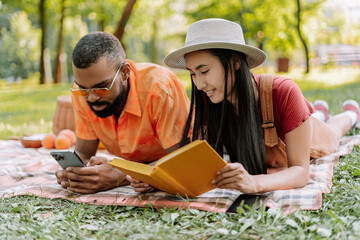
pixel 102 25
pixel 58 64
pixel 303 41
pixel 154 44
pixel 124 18
pixel 43 40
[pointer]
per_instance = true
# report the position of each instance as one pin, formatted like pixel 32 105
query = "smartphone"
pixel 67 158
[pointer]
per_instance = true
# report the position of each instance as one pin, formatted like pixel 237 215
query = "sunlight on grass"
pixel 12 130
pixel 28 108
pixel 318 76
pixel 331 77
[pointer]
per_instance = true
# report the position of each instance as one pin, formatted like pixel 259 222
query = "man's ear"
pixel 125 71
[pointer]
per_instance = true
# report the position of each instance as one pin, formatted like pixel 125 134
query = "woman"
pixel 226 110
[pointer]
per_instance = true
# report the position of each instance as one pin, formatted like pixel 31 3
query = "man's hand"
pixel 139 186
pixel 98 176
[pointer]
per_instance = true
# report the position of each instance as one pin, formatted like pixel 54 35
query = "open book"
pixel 188 171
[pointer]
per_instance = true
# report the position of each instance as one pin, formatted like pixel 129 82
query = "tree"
pixel 124 18
pixel 43 40
pixel 58 64
pixel 302 38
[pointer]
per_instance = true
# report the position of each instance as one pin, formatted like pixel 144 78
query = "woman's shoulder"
pixel 279 82
pixel 283 82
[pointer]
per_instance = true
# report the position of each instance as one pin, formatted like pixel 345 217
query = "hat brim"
pixel 254 56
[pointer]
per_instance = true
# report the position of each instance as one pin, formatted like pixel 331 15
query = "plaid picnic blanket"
pixel 321 172
pixel 31 171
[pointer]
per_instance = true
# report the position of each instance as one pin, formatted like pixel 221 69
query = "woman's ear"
pixel 237 65
pixel 235 61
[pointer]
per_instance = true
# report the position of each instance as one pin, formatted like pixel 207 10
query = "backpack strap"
pixel 267 110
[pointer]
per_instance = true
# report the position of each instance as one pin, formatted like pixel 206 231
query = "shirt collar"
pixel 132 103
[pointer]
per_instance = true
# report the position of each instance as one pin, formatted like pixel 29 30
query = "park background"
pixel 314 42
pixel 318 40
pixel 37 36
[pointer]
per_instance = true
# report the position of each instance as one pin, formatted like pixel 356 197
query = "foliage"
pixel 4 18
pixel 20 45
pixel 157 27
pixel 145 40
pixel 97 15
pixel 332 27
pixel 275 19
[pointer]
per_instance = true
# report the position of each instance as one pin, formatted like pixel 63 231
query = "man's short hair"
pixel 95 45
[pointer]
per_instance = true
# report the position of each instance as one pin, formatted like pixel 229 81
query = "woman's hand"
pixel 234 176
pixel 139 186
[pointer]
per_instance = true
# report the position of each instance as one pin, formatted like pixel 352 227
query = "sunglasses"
pixel 100 92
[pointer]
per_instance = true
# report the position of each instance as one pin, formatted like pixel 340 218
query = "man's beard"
pixel 111 108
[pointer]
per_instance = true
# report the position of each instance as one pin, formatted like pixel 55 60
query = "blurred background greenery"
pixel 37 36
pixel 314 42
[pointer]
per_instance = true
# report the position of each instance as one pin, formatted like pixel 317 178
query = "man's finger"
pixel 97 161
pixel 92 170
pixel 78 184
pixel 81 190
pixel 93 179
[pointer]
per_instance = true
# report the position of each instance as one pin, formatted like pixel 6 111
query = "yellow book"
pixel 188 171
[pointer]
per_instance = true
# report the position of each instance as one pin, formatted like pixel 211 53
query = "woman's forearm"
pixel 289 178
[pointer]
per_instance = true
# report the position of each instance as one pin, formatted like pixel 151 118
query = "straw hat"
pixel 215 33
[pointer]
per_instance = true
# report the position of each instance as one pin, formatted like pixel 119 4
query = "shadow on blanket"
pixel 31 171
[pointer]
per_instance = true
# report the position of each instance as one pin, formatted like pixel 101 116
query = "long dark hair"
pixel 237 129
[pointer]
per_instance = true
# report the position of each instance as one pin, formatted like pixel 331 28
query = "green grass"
pixel 28 108
pixel 30 217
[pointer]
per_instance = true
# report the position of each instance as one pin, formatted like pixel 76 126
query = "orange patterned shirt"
pixel 151 121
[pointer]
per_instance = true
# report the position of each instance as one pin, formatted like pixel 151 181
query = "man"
pixel 137 110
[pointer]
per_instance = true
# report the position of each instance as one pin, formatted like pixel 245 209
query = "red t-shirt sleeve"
pixel 291 108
